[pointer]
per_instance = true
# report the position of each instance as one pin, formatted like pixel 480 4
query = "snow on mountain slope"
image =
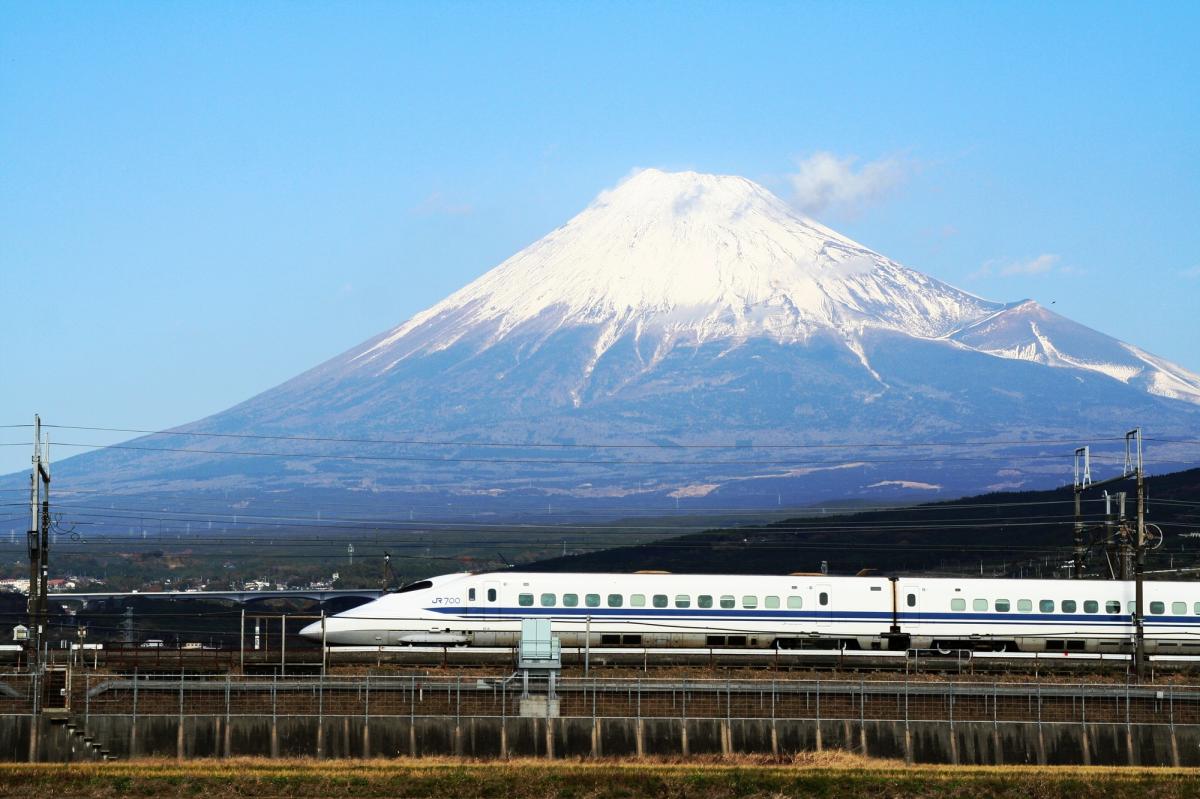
pixel 680 259
pixel 687 258
pixel 1027 331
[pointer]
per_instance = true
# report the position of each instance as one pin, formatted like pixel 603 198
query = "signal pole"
pixel 1134 468
pixel 1134 437
pixel 39 541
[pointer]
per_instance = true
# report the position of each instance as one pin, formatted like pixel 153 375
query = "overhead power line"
pixel 576 445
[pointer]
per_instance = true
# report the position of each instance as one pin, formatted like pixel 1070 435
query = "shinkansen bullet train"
pixel 799 610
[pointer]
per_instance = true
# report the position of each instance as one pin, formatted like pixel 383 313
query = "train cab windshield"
pixel 417 586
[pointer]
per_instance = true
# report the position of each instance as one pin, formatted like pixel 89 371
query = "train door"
pixel 824 604
pixel 908 605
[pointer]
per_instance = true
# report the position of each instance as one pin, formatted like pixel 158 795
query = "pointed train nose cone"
pixel 312 631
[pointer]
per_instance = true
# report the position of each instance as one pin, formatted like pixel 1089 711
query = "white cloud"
pixel 1043 264
pixel 823 181
pixel 1191 274
pixel 438 204
pixel 1034 266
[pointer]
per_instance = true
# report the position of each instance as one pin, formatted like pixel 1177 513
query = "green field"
pixel 831 775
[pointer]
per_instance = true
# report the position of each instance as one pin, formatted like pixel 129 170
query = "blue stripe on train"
pixel 817 616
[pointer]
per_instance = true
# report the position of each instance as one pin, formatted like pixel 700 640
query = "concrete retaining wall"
pixel 491 737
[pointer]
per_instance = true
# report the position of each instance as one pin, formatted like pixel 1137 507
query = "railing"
pixel 366 697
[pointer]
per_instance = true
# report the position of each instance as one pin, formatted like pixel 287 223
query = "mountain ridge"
pixel 681 308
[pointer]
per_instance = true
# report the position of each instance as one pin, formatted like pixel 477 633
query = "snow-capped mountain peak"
pixel 690 257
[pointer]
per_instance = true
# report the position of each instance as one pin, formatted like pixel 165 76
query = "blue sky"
pixel 200 200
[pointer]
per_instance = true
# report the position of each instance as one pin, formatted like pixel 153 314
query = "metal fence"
pixel 89 695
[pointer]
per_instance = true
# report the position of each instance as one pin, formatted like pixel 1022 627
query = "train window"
pixel 728 602
pixel 1131 607
pixel 615 600
pixel 1046 606
pixel 683 601
pixel 958 603
pixel 470 594
pixel 795 602
pixel 1068 606
pixel 1196 608
pixel 911 600
pixel 525 600
pixel 571 600
pixel 1112 606
pixel 419 586
pixel 638 600
pixel 771 602
pixel 548 600
pixel 592 600
pixel 749 601
pixel 660 600
pixel 491 595
pixel 823 599
pixel 1178 608
pixel 1024 605
pixel 1003 606
pixel 979 604
pixel 704 601
pixel 1091 606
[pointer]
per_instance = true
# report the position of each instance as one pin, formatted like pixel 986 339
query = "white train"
pixel 656 609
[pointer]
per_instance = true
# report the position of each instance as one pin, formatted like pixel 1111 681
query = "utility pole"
pixel 1134 438
pixel 1124 549
pixel 39 541
pixel 1083 479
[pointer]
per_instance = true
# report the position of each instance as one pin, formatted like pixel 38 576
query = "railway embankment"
pixel 493 717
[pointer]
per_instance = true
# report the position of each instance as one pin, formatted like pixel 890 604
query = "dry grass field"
pixel 830 774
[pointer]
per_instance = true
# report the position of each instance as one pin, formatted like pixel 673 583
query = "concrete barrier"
pixel 968 743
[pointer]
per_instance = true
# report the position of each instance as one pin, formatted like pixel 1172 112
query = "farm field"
pixel 828 774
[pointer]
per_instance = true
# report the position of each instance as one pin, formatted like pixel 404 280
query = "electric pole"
pixel 1135 437
pixel 1125 549
pixel 1083 479
pixel 39 541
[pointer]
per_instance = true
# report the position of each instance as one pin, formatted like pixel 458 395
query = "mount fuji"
pixel 598 366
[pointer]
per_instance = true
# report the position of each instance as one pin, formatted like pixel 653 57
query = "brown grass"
pixel 825 774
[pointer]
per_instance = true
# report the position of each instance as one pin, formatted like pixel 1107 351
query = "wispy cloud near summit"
pixel 825 181
pixel 1044 264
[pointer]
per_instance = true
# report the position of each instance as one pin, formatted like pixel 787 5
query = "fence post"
pixel 412 717
pixel 274 716
pixel 953 736
pixel 996 742
pixel 133 741
pixel 458 737
pixel 684 747
pixel 180 746
pixel 1174 740
pixel 862 717
pixel 774 724
pixel 366 733
pixel 1086 744
pixel 228 742
pixel 321 712
pixel 818 736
